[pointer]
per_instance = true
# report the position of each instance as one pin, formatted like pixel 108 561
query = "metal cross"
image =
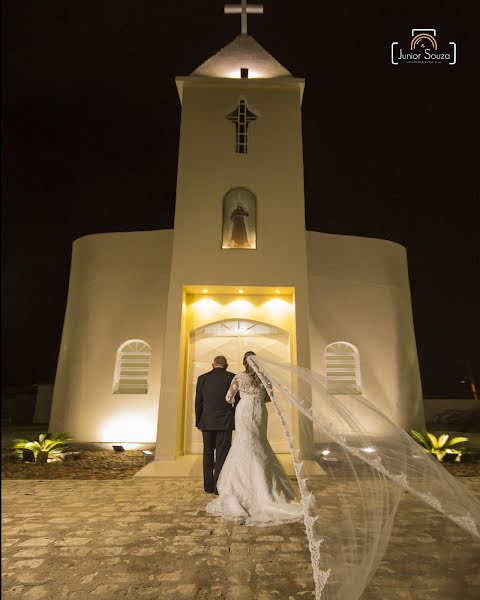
pixel 243 9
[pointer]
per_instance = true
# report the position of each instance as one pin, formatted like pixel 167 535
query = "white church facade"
pixel 147 311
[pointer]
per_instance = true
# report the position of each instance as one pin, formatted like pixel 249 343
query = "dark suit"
pixel 216 419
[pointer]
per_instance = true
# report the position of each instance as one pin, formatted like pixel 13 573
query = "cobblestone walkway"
pixel 141 539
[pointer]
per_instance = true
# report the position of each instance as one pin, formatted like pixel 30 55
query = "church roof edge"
pixel 291 82
pixel 243 52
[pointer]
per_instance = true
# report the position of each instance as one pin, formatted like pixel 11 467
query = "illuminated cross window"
pixel 242 116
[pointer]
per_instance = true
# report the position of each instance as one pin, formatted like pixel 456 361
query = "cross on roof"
pixel 243 9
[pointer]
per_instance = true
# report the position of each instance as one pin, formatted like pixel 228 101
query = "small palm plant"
pixel 48 444
pixel 442 445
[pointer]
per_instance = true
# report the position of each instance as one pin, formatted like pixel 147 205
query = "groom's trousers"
pixel 216 445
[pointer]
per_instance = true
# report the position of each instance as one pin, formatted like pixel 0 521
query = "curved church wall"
pixel 359 293
pixel 118 291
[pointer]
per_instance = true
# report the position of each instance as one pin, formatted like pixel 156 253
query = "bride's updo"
pixel 250 371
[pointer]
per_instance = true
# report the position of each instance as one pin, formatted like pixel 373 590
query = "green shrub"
pixel 442 445
pixel 51 443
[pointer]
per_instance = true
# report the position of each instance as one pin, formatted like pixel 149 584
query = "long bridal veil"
pixel 353 466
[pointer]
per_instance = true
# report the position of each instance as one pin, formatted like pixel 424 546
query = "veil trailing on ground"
pixel 352 466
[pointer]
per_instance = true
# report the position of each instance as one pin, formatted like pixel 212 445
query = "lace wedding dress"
pixel 253 487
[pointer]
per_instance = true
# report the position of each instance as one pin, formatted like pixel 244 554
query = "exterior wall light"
pixel 149 456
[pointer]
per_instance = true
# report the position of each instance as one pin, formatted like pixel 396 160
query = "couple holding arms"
pixel 250 483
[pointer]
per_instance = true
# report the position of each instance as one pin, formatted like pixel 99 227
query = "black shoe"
pixel 215 491
pixel 208 491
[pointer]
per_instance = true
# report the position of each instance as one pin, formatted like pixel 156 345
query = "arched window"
pixel 342 368
pixel 132 368
pixel 238 327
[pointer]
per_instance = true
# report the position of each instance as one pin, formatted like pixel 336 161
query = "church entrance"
pixel 232 338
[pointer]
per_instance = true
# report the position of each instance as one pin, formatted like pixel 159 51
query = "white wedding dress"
pixel 253 487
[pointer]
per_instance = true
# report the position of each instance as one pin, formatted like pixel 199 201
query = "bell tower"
pixel 239 217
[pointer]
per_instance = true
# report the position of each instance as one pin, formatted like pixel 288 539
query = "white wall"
pixel 359 292
pixel 118 291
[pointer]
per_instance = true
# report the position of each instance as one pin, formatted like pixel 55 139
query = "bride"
pixel 253 487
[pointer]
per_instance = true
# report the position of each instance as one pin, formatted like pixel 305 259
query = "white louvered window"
pixel 342 368
pixel 132 368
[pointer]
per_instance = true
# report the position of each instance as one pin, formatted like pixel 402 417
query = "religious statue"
pixel 239 219
pixel 239 235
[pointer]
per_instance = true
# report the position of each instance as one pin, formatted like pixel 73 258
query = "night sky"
pixel 91 123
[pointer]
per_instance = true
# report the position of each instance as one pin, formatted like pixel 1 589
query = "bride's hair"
pixel 249 370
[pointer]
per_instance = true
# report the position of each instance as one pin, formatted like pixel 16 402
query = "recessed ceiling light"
pixel 205 291
pixel 240 291
pixel 277 291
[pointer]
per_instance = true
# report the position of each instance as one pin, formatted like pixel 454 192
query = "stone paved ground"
pixel 141 539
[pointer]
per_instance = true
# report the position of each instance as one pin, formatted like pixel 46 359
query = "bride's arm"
pixel 232 391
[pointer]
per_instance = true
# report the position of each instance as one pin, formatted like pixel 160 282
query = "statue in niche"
pixel 239 219
pixel 239 231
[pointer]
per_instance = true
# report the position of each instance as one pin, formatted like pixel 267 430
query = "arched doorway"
pixel 232 338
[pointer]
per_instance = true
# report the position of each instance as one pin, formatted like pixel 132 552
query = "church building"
pixel 147 311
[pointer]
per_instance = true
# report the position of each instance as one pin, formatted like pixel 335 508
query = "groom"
pixel 215 417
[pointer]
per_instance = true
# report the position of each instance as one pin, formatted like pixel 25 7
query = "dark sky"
pixel 91 123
